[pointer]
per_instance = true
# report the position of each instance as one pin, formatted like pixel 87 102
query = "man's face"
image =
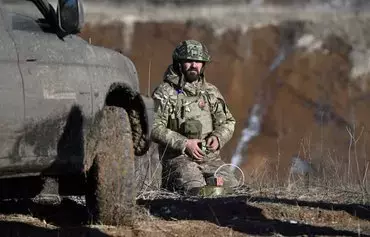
pixel 191 70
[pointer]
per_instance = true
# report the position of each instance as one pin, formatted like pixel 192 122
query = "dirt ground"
pixel 253 213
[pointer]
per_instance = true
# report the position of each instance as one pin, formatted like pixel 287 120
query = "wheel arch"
pixel 122 95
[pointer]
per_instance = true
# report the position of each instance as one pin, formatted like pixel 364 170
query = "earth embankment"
pixel 307 69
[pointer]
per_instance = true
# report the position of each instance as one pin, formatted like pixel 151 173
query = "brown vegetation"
pixel 250 213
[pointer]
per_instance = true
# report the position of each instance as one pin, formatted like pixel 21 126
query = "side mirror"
pixel 70 16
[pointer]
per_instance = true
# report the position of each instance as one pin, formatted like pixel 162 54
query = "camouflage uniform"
pixel 176 103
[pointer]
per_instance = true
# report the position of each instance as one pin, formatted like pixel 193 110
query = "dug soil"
pixel 252 213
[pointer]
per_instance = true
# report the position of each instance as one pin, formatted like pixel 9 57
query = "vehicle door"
pixel 57 92
pixel 11 99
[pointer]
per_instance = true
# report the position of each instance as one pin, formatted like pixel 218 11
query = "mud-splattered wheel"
pixel 109 165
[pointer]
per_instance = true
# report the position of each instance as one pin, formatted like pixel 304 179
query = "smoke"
pixel 256 116
pixel 252 130
pixel 290 33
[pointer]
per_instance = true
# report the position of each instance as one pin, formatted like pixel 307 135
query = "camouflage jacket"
pixel 165 98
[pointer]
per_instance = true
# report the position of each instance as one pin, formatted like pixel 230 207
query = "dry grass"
pixel 312 215
pixel 332 179
pixel 332 174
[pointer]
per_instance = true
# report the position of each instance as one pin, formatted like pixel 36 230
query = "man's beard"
pixel 192 76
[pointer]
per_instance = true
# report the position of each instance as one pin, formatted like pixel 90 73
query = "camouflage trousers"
pixel 183 174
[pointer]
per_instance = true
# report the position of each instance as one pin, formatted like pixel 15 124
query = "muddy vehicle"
pixel 72 119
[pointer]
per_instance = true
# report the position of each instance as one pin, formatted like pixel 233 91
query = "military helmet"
pixel 191 50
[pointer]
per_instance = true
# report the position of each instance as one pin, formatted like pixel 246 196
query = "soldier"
pixel 191 123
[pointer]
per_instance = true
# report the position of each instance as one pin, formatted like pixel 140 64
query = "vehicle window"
pixel 22 15
pixel 22 7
